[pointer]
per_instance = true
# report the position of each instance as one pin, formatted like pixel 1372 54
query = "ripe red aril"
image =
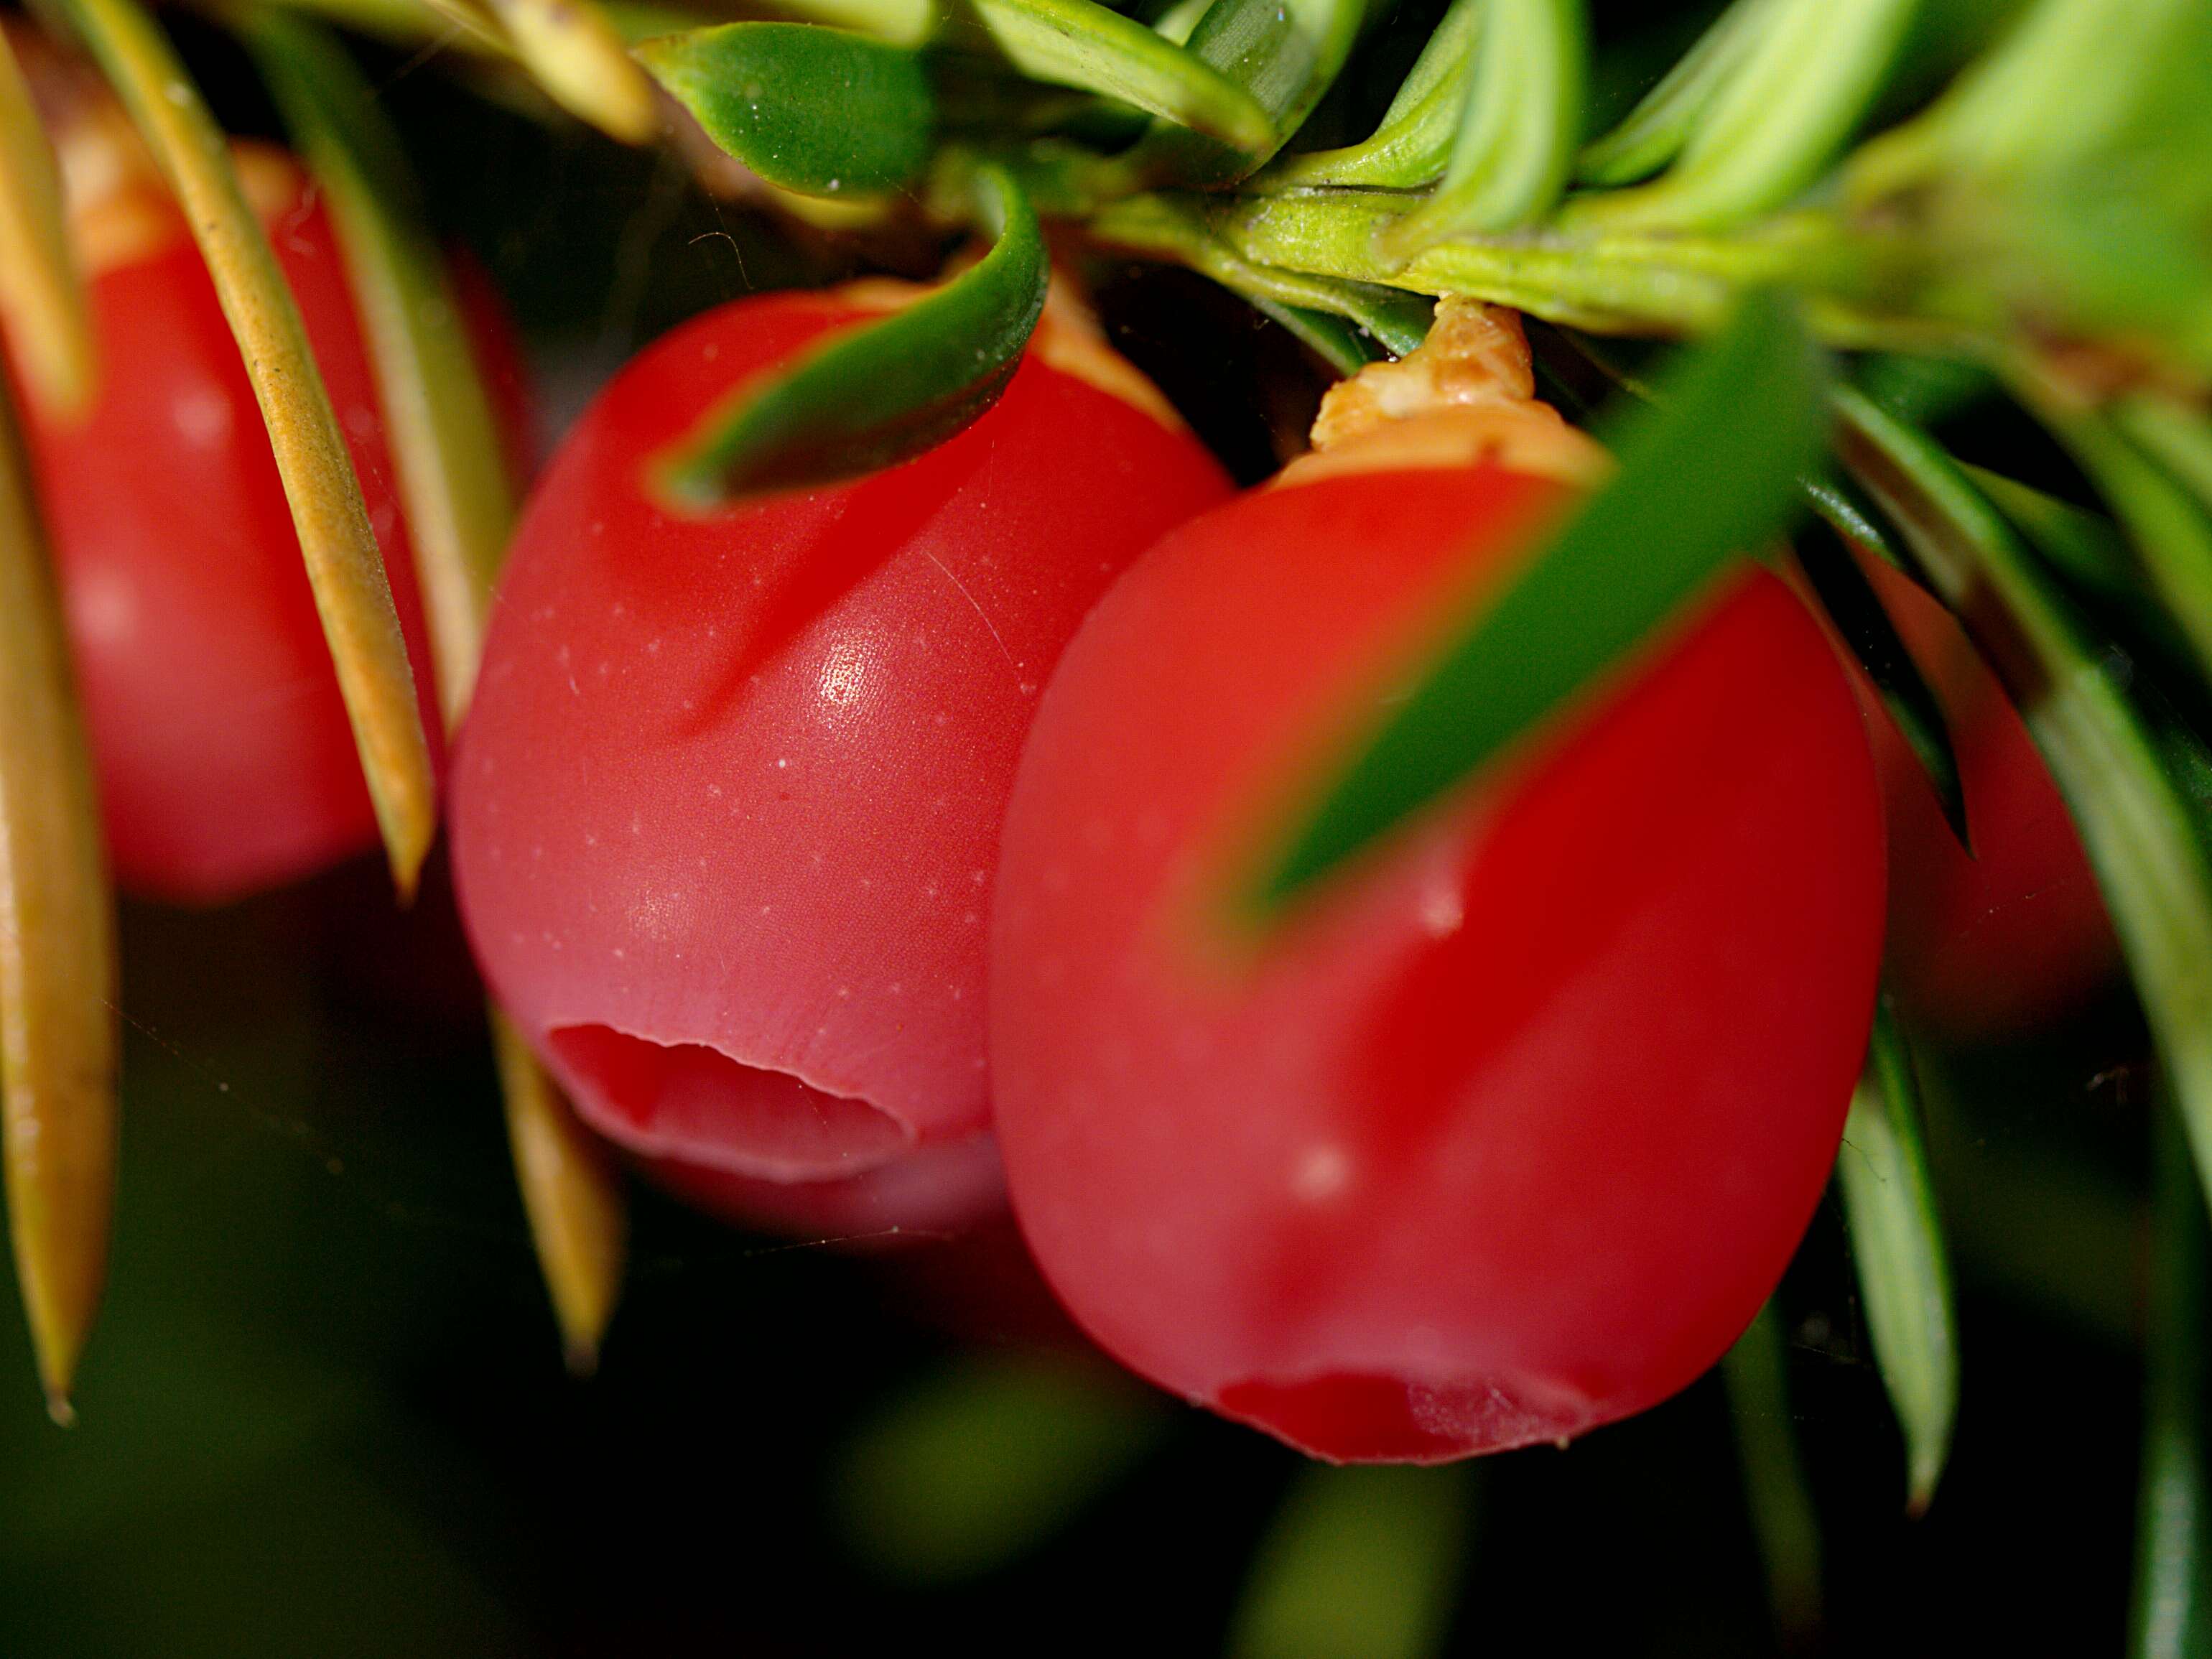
pixel 727 806
pixel 936 1190
pixel 1510 1133
pixel 225 757
pixel 2014 933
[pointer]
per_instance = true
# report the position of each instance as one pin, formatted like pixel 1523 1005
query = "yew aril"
pixel 2013 933
pixel 933 1193
pixel 1511 1132
pixel 226 761
pixel 727 806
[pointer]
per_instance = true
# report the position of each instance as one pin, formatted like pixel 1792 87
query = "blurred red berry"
pixel 2013 934
pixel 226 761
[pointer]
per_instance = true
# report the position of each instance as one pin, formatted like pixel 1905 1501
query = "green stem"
pixel 1637 283
pixel 1171 227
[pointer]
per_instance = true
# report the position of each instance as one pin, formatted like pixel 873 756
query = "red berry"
pixel 945 1188
pixel 1511 1134
pixel 2015 933
pixel 225 757
pixel 726 807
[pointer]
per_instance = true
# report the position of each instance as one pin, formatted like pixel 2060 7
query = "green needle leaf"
pixel 985 1459
pixel 2175 433
pixel 1517 128
pixel 1653 132
pixel 1857 611
pixel 1783 1518
pixel 1077 43
pixel 2065 171
pixel 42 296
pixel 1897 1247
pixel 1791 98
pixel 449 464
pixel 2150 460
pixel 2089 551
pixel 59 1036
pixel 345 568
pixel 820 111
pixel 882 392
pixel 1285 53
pixel 1707 476
pixel 2130 775
pixel 2173 1615
pixel 1413 141
pixel 578 56
pixel 1344 347
pixel 453 478
pixel 1360 1563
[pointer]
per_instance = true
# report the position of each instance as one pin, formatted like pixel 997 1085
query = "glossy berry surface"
pixel 1511 1133
pixel 2013 933
pixel 226 761
pixel 726 807
pixel 933 1192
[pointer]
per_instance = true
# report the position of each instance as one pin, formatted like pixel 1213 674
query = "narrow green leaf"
pixel 2112 754
pixel 1580 369
pixel 1844 507
pixel 1790 100
pixel 1413 141
pixel 1077 43
pixel 2089 551
pixel 1897 1247
pixel 881 393
pixel 903 22
pixel 1653 133
pixel 59 1036
pixel 820 111
pixel 451 473
pixel 2065 171
pixel 1285 53
pixel 986 1459
pixel 1345 347
pixel 345 568
pixel 578 56
pixel 42 297
pixel 1173 228
pixel 1923 390
pixel 572 1197
pixel 2031 104
pixel 2175 433
pixel 1710 475
pixel 1518 125
pixel 450 464
pixel 983 102
pixel 1179 19
pixel 1359 1563
pixel 1857 611
pixel 2140 458
pixel 1783 1518
pixel 2173 1612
